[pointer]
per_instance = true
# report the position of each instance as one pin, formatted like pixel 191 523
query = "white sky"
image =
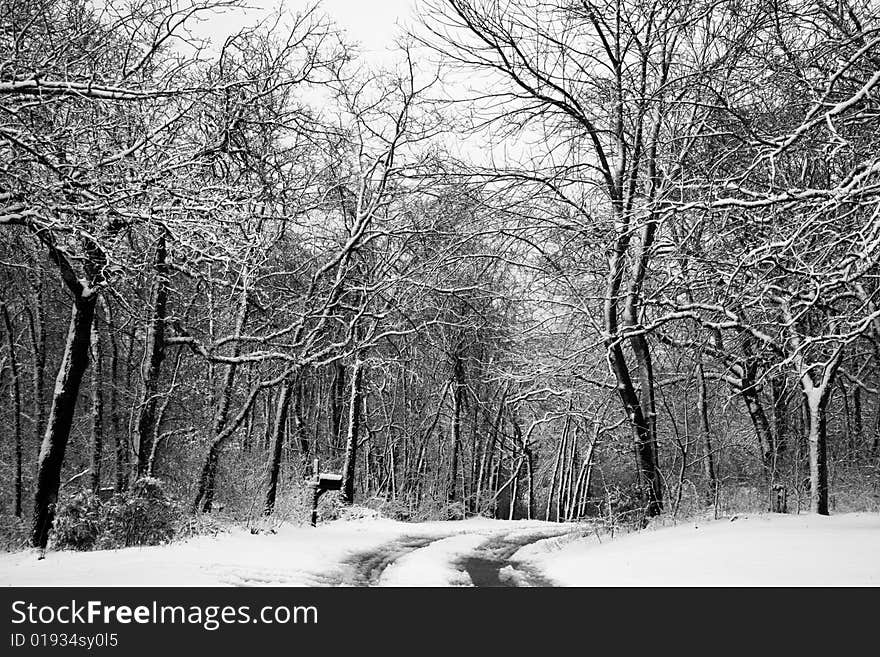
pixel 375 25
pixel 371 23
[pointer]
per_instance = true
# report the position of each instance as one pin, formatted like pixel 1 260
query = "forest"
pixel 560 260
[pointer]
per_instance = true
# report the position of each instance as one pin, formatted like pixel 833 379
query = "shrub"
pixel 145 515
pixel 387 508
pixel 13 533
pixel 329 507
pixel 78 522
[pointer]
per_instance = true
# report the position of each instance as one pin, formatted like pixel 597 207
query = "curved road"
pixel 490 564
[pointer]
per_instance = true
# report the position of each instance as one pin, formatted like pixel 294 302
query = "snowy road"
pixel 370 552
pixel 481 558
pixel 761 550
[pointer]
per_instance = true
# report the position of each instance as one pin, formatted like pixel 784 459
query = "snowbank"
pixel 294 556
pixel 765 550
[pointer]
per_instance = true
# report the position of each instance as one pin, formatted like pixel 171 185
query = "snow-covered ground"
pixel 757 550
pixel 761 550
pixel 328 555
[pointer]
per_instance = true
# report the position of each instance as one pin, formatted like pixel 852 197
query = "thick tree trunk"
pixel 643 439
pixel 16 409
pixel 205 496
pixel 274 466
pixel 817 402
pixel 780 417
pixel 642 426
pixel 67 384
pixel 762 428
pixel 97 410
pixel 640 408
pixel 648 448
pixel 354 427
pixel 155 354
pixel 37 327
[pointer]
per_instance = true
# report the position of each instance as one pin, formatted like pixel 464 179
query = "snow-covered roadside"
pixel 762 550
pixel 295 556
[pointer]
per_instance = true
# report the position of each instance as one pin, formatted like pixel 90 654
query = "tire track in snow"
pixel 491 566
pixel 365 568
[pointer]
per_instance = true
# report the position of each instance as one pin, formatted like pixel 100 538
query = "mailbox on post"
pixel 328 481
pixel 321 483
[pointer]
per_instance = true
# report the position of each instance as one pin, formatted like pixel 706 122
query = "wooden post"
pixel 316 494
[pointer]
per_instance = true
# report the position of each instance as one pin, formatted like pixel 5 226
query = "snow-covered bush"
pixel 144 515
pixel 13 533
pixel 78 522
pixel 388 508
pixel 329 507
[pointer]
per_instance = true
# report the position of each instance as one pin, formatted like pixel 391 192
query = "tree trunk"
pixel 208 478
pixel 643 440
pixel 563 467
pixel 457 399
pixel 530 483
pixel 97 410
pixel 157 437
pixel 337 402
pixel 762 428
pixel 120 440
pixel 299 432
pixel 817 402
pixel 274 466
pixel 67 384
pixel 780 416
pixel 351 440
pixel 556 463
pixel 37 325
pixel 706 433
pixel 586 490
pixel 640 407
pixel 489 450
pixel 857 421
pixel 155 353
pixel 16 408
